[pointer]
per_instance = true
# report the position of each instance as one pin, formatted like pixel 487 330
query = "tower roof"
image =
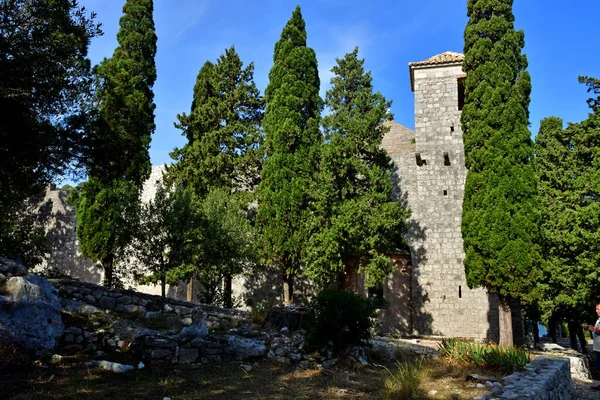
pixel 447 57
pixel 442 59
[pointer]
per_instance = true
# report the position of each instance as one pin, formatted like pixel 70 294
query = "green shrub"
pixel 341 317
pixel 491 356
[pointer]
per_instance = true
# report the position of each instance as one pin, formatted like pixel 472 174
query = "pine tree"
pixel 120 163
pixel 222 155
pixel 223 129
pixel 291 125
pixel 355 220
pixel 500 225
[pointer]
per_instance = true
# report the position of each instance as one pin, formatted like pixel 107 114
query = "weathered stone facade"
pixel 427 293
pixel 431 174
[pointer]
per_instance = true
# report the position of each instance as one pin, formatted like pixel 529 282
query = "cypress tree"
pixel 564 287
pixel 292 140
pixel 500 224
pixel 569 185
pixel 355 220
pixel 109 202
pixel 126 100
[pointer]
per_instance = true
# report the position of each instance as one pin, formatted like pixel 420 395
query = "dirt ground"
pixel 227 381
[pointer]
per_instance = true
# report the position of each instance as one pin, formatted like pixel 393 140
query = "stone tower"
pixel 431 175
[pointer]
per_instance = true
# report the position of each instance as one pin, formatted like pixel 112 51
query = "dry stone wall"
pixel 544 378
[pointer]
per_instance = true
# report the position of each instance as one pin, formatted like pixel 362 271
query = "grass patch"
pixel 489 356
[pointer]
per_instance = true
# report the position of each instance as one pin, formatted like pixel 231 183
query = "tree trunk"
pixel 505 319
pixel 163 283
pixel 573 335
pixel 227 291
pixel 107 263
pixel 192 289
pixel 582 341
pixel 517 323
pixel 552 331
pixel 288 291
pixel 536 332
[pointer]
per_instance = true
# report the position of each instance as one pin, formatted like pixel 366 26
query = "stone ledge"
pixel 545 378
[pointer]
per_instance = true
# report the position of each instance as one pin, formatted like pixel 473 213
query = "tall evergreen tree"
pixel 222 155
pixel 565 290
pixel 292 141
pixel 500 224
pixel 355 220
pixel 126 100
pixel 120 162
pixel 223 129
pixel 568 166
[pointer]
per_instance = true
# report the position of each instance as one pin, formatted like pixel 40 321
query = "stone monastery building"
pixel 427 294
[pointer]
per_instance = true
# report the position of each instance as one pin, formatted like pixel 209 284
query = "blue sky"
pixel 561 43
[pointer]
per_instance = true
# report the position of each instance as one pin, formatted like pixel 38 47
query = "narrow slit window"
pixel 461 93
pixel 446 159
pixel 420 161
pixel 452 128
pixel 460 292
pixel 445 193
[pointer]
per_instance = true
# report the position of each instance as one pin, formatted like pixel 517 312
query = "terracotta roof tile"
pixel 448 57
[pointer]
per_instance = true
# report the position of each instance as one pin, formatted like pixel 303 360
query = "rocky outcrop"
pixel 29 310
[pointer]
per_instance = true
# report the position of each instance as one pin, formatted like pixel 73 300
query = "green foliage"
pixel 500 224
pixel 291 125
pixel 119 160
pixel 569 185
pixel 125 100
pixel 341 317
pixel 107 216
pixel 44 81
pixel 354 219
pixel 23 236
pixel 169 239
pixel 228 246
pixel 223 129
pixel 490 356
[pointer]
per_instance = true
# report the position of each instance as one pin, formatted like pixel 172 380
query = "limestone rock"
pixel 198 330
pixel 246 348
pixel 111 366
pixel 30 310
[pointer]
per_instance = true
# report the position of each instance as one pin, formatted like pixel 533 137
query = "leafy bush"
pixel 344 318
pixel 492 356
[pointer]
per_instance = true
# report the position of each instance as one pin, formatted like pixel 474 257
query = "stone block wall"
pixel 544 378
pixel 442 302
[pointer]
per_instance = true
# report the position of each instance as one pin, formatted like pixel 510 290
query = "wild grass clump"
pixel 403 383
pixel 487 356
